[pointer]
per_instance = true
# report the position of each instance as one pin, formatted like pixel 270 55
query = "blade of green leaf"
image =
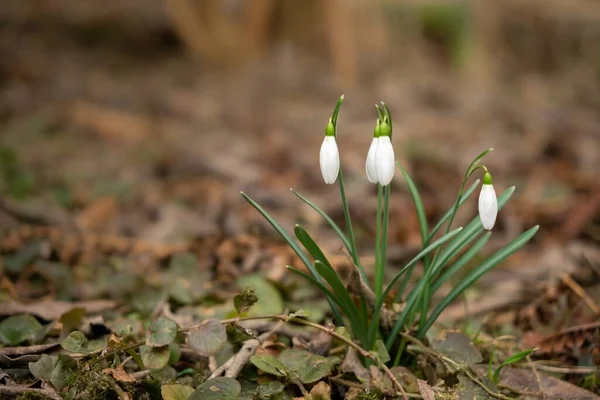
pixel 414 192
pixel 290 241
pixel 315 282
pixel 474 275
pixel 461 262
pixel 331 223
pixel 413 262
pixel 329 274
pixel 515 358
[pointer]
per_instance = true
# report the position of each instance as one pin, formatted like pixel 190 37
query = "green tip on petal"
pixel 487 178
pixel 330 129
pixel 384 129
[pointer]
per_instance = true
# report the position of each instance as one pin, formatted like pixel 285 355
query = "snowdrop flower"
pixel 370 165
pixel 385 163
pixel 488 204
pixel 330 157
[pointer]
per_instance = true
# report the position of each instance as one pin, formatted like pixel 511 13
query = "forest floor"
pixel 120 179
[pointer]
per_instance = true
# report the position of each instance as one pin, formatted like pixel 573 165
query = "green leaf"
pixel 176 392
pixel 269 364
pixel 162 332
pixel 380 352
pixel 414 293
pixel 480 270
pixel 290 241
pixel 219 388
pixel 331 223
pixel 461 262
pixel 269 299
pixel 42 368
pixel 515 358
pixel 243 302
pixel 341 293
pixel 71 319
pixel 306 366
pixel 18 329
pixel 207 338
pixel 155 357
pixel 269 389
pixel 77 343
pixel 414 192
pixel 64 371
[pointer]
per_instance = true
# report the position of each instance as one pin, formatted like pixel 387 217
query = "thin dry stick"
pixel 579 291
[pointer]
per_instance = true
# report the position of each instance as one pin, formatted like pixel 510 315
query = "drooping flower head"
pixel 370 164
pixel 385 162
pixel 488 203
pixel 329 158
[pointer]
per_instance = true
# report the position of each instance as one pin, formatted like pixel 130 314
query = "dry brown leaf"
pixel 119 374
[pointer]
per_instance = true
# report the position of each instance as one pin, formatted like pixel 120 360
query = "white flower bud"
pixel 488 203
pixel 385 162
pixel 370 165
pixel 329 160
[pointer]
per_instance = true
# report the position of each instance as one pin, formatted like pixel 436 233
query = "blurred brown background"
pixel 146 118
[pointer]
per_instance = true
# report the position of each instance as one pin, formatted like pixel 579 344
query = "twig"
pixel 122 395
pixel 579 291
pixel 535 372
pixel 561 370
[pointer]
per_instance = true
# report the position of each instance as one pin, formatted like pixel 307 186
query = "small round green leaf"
pixel 42 368
pixel 176 392
pixel 77 343
pixel 162 332
pixel 308 367
pixel 18 329
pixel 269 364
pixel 155 357
pixel 207 338
pixel 266 390
pixel 219 388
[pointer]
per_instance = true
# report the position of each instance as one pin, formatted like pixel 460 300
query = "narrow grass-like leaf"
pixel 480 270
pixel 461 262
pixel 515 358
pixel 331 223
pixel 326 271
pixel 329 274
pixel 463 198
pixel 292 243
pixel 414 192
pixel 413 262
pixel 315 282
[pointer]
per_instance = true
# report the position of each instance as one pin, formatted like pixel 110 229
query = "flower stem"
pixel 378 279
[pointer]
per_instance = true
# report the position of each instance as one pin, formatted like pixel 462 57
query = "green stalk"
pixel 378 278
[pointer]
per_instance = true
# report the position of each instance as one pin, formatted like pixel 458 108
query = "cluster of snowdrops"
pixel 444 253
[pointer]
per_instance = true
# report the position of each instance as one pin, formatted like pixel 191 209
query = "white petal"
pixel 370 166
pixel 385 161
pixel 488 206
pixel 329 160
